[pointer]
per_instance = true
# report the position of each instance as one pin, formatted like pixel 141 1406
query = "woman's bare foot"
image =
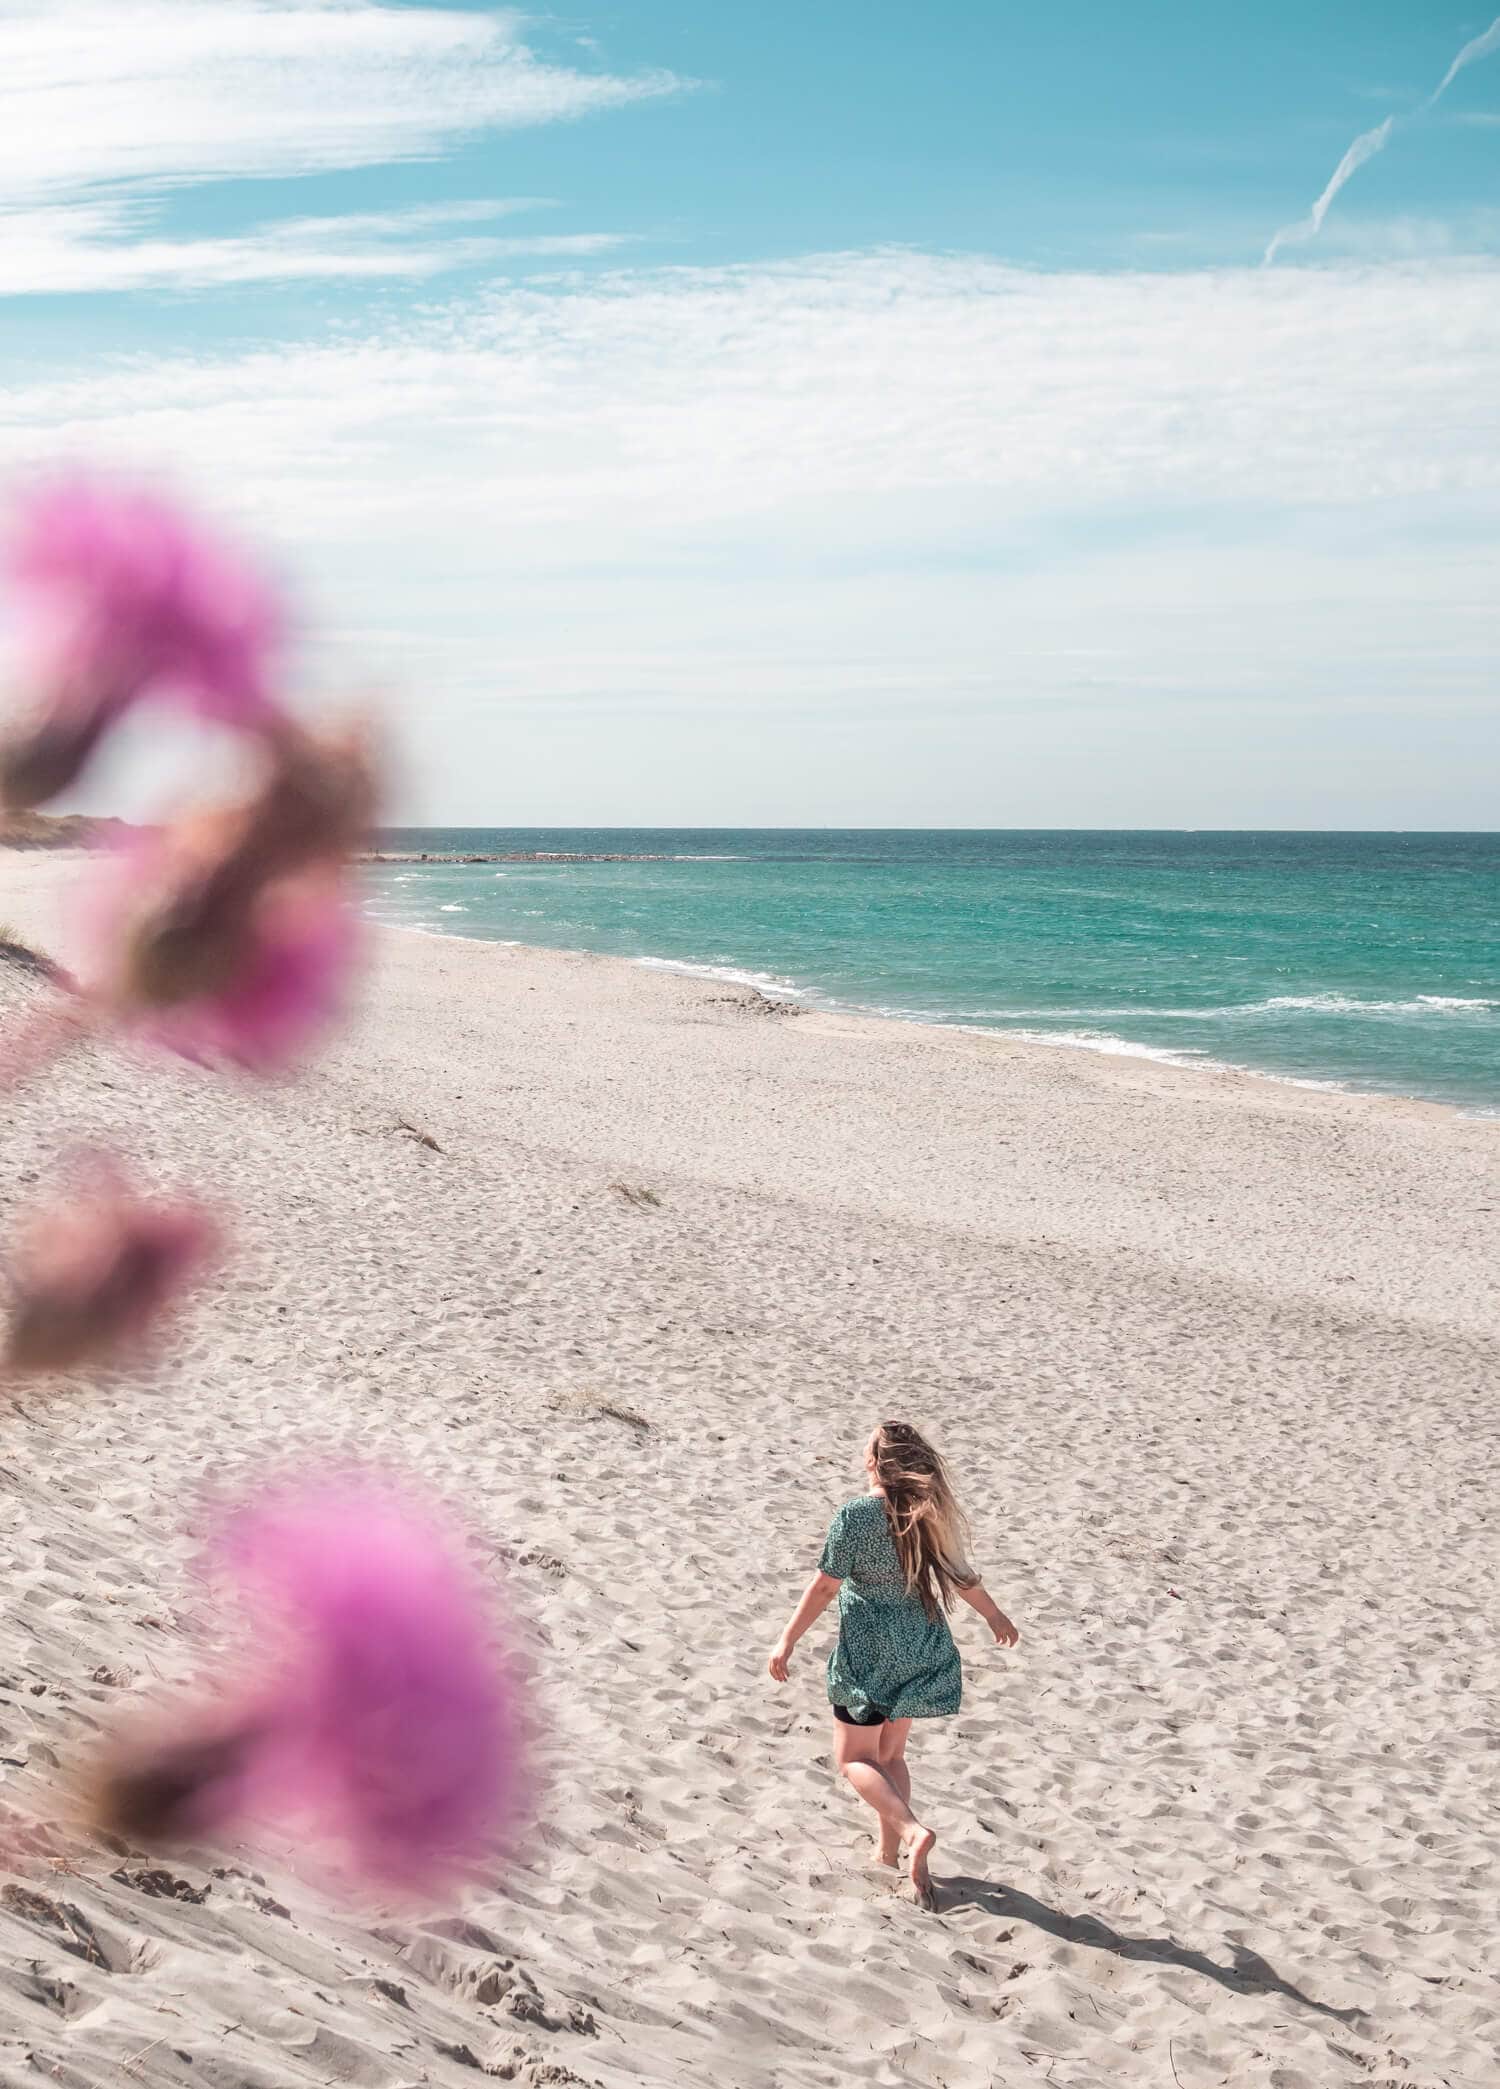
pixel 919 1843
pixel 888 1845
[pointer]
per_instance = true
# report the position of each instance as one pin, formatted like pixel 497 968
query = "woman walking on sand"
pixel 895 1558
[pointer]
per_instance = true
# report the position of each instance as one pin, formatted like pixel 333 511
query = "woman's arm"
pixel 978 1597
pixel 816 1597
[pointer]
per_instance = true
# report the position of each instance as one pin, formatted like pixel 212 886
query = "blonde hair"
pixel 928 1528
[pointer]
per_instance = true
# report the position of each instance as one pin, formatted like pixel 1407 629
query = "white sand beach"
pixel 1215 1362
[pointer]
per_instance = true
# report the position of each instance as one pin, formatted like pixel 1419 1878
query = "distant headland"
pixel 75 830
pixel 508 856
pixel 68 830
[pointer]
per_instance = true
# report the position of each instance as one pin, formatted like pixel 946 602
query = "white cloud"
pixel 844 511
pixel 667 397
pixel 156 92
pixel 64 248
pixel 1472 230
pixel 107 105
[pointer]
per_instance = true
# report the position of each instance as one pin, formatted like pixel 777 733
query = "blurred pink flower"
pixel 398 1719
pixel 318 800
pixel 126 594
pixel 295 964
pixel 292 988
pixel 387 1712
pixel 95 1276
pixel 231 933
pixel 191 950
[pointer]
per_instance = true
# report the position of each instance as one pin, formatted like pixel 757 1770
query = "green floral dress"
pixel 891 1657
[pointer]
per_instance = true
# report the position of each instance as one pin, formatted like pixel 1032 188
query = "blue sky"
pixel 805 414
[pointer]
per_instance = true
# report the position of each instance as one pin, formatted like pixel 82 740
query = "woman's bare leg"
pixel 857 1754
pixel 892 1761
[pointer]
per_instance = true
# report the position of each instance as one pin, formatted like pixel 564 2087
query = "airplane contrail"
pixel 1364 148
pixel 1368 143
pixel 1481 47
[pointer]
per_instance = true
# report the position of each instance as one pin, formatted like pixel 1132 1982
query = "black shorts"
pixel 874 1715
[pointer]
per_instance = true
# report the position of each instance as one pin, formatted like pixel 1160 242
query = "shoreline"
pixel 1121 1053
pixel 1107 1047
pixel 1123 1049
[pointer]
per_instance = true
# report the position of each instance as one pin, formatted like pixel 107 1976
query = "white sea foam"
pixel 1313 1004
pixel 1115 1047
pixel 731 975
pixel 1190 1056
pixel 454 906
pixel 1320 1004
pixel 1348 1004
pixel 1081 1035
pixel 969 1016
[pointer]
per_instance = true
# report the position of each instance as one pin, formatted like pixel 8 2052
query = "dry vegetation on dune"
pixel 16 952
pixel 72 830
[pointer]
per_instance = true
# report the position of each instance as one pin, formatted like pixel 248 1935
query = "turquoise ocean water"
pixel 1367 961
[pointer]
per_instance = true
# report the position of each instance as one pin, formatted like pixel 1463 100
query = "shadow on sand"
pixel 1246 1974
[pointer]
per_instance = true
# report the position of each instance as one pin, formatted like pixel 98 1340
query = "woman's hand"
pixel 978 1597
pixel 816 1597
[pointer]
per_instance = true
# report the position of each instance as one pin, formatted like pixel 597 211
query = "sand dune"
pixel 1215 1361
